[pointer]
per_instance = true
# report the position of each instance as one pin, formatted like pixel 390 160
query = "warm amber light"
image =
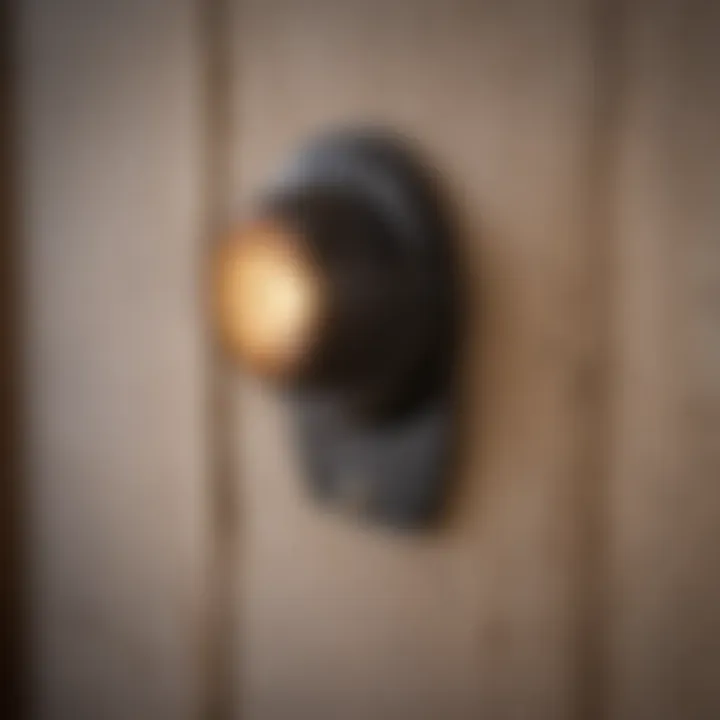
pixel 269 298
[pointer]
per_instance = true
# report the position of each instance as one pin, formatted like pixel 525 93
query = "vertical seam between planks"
pixel 593 558
pixel 219 697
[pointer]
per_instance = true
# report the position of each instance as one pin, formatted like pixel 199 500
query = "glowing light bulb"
pixel 270 299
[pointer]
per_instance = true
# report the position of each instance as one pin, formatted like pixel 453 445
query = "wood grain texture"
pixel 480 620
pixel 665 490
pixel 112 164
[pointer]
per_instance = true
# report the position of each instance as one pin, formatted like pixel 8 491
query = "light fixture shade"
pixel 343 290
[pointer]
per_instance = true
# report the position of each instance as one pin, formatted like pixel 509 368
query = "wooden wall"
pixel 111 110
pixel 343 622
pixel 176 570
pixel 665 494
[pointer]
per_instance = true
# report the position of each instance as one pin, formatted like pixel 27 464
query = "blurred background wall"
pixel 169 565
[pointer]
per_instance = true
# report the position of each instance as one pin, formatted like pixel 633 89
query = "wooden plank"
pixel 112 163
pixel 481 620
pixel 665 493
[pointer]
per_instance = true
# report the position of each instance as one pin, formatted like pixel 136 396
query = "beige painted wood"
pixel 481 620
pixel 665 488
pixel 111 191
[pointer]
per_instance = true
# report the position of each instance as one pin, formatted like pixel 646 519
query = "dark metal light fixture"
pixel 342 291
